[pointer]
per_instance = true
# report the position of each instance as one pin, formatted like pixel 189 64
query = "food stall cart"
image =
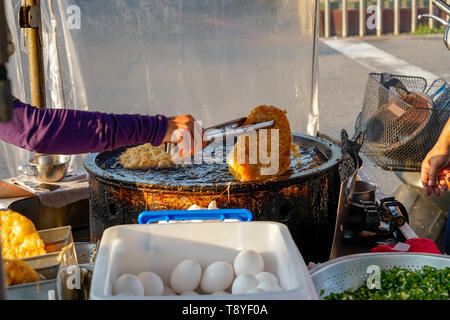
pixel 213 59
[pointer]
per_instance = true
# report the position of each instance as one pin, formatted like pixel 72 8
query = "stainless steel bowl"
pixel 350 272
pixel 364 191
pixel 47 168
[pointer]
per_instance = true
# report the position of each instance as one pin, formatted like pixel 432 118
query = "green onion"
pixel 427 283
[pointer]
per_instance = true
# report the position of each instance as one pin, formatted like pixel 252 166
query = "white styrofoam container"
pixel 160 247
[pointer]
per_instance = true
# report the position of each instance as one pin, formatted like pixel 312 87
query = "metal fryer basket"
pixel 402 119
pixel 349 272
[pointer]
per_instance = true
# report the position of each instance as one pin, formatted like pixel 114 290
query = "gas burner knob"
pixel 372 220
pixel 399 221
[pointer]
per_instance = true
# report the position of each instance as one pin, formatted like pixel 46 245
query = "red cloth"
pixel 416 245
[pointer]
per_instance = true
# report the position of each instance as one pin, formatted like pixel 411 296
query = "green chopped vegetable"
pixel 427 283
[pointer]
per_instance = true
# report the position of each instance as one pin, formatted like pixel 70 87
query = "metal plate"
pixel 32 291
pixel 60 247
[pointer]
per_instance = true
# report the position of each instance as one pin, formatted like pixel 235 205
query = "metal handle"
pixel 147 217
pixel 169 147
pixel 24 169
pixel 230 124
pixel 218 132
pixel 446 8
pixel 443 6
pixel 438 19
pixel 234 132
pixel 447 37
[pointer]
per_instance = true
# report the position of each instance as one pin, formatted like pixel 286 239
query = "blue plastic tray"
pixel 147 217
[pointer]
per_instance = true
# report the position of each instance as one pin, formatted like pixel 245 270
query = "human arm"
pixel 435 172
pixel 64 131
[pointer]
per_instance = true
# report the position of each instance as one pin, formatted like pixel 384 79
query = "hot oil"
pixel 207 174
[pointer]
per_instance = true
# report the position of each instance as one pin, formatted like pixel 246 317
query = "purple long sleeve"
pixel 62 131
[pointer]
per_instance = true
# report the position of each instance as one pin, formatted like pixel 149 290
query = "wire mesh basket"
pixel 350 272
pixel 402 119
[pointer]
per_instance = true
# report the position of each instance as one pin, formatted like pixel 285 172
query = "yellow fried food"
pixel 245 161
pixel 145 156
pixel 296 154
pixel 19 236
pixel 18 272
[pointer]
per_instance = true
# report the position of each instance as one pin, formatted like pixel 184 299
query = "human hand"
pixel 186 132
pixel 435 171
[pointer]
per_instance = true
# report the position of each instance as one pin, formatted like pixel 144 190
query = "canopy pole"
pixel 32 31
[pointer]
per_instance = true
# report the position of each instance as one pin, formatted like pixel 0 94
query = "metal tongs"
pixel 232 128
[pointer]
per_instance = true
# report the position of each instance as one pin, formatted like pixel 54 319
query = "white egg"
pixel 248 261
pixel 189 293
pixel 129 283
pixel 195 207
pixel 218 276
pixel 219 292
pixel 186 276
pixel 266 277
pixel 153 285
pixel 212 205
pixel 269 286
pixel 243 283
pixel 168 291
pixel 255 290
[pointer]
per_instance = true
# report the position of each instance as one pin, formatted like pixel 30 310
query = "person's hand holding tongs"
pixel 180 140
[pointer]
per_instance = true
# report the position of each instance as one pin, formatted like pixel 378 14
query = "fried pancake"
pixel 19 236
pixel 245 162
pixel 18 272
pixel 145 156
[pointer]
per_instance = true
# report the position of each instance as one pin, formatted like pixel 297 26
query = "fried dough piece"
pixel 145 156
pixel 241 161
pixel 18 272
pixel 19 236
pixel 296 154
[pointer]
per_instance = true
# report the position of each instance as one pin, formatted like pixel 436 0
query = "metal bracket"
pixel 444 23
pixel 447 37
pixel 443 6
pixel 30 17
pixel 352 147
pixel 430 16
